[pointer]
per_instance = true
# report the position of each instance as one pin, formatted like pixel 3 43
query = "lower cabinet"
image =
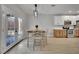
pixel 60 33
pixel 76 32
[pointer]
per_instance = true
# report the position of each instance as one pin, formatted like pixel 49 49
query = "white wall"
pixel 0 27
pixel 17 12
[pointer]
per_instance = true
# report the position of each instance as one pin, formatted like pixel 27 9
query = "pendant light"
pixel 35 11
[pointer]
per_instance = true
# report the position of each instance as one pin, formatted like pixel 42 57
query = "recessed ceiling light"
pixel 53 5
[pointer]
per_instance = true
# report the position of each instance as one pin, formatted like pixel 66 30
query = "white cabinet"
pixel 58 20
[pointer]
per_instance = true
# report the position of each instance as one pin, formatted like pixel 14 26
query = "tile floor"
pixel 54 46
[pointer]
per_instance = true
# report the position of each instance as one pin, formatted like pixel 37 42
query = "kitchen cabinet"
pixel 58 20
pixel 59 33
pixel 76 32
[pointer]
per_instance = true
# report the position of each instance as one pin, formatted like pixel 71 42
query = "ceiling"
pixel 48 9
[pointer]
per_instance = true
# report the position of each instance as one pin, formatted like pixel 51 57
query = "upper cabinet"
pixel 59 20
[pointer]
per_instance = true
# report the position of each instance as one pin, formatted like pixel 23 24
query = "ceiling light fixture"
pixel 35 11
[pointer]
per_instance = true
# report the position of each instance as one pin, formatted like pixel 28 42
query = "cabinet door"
pixel 58 20
pixel 78 33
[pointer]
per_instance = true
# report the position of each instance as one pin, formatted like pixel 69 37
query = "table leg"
pixel 28 41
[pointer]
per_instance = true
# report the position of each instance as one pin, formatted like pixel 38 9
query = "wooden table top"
pixel 32 31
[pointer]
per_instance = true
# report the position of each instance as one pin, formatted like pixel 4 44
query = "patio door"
pixel 11 36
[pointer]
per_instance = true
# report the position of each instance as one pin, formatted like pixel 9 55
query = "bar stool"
pixel 38 39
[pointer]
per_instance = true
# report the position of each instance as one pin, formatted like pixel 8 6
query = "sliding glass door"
pixel 11 30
